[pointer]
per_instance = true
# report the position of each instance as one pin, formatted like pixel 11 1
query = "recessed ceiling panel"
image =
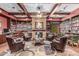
pixel 67 7
pixel 10 7
pixel 33 7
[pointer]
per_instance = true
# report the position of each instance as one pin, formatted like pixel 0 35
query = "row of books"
pixel 21 26
pixel 70 24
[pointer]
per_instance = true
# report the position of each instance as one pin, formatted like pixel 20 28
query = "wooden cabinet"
pixel 2 39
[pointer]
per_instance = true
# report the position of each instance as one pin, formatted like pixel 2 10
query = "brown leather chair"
pixel 14 47
pixel 59 45
pixel 27 36
pixel 50 37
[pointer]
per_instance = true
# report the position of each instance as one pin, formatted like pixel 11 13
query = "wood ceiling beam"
pixel 33 13
pixel 32 17
pixel 6 14
pixel 24 9
pixel 17 13
pixel 55 7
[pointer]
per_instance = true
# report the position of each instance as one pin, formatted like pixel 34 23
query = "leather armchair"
pixel 15 44
pixel 27 36
pixel 50 37
pixel 59 45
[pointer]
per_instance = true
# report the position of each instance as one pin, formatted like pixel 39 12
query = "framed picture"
pixel 38 25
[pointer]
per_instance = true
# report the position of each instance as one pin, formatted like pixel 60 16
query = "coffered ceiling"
pixel 31 9
pixel 11 7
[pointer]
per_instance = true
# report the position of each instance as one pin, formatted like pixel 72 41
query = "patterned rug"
pixel 40 51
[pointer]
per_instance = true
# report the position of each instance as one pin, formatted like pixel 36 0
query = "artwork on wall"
pixel 38 25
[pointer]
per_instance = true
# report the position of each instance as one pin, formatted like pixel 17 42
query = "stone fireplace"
pixel 39 28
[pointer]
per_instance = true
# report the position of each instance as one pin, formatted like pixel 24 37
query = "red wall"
pixel 3 21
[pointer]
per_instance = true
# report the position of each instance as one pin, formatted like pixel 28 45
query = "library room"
pixel 39 29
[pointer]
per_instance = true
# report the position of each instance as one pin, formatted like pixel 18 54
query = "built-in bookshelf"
pixel 21 26
pixel 71 24
pixel 13 25
pixel 48 26
pixel 25 26
pixel 65 26
pixel 75 24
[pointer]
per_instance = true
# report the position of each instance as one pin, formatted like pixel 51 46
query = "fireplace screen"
pixel 39 34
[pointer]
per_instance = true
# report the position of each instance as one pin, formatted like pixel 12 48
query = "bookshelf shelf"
pixel 21 26
pixel 70 24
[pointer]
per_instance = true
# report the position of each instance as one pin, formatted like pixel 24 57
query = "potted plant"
pixel 75 40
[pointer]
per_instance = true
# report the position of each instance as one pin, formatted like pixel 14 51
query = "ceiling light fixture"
pixel 39 15
pixel 13 7
pixel 38 11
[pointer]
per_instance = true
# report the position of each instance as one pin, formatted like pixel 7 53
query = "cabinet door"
pixel 2 39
